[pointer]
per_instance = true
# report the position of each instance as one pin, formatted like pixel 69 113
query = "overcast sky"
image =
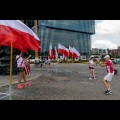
pixel 107 34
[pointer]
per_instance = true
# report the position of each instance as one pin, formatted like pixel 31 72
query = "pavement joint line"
pixel 82 72
pixel 87 83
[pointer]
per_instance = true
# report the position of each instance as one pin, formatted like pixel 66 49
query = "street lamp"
pixel 36 32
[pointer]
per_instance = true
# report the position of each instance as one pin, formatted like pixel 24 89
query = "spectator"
pixel 91 69
pixel 21 70
pixel 27 66
pixel 37 61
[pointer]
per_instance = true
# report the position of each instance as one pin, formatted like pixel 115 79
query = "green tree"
pixel 91 52
pixel 99 51
pixel 108 50
pixel 110 55
pixel 102 56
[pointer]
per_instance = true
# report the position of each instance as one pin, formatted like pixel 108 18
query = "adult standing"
pixel 110 73
pixel 21 70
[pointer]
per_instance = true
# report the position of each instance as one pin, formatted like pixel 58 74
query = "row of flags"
pixel 67 52
pixel 23 38
pixel 53 54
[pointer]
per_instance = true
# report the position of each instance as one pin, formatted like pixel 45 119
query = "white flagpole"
pixel 56 55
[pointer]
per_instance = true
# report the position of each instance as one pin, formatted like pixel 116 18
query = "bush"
pixel 31 62
pixel 83 60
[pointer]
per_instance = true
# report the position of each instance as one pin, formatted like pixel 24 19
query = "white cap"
pixel 91 56
pixel 107 56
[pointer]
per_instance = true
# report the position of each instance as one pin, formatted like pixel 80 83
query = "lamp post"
pixel 36 32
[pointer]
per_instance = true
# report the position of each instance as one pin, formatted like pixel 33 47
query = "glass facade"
pixel 76 33
pixel 73 25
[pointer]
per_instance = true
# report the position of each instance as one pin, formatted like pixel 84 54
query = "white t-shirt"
pixel 20 62
pixel 91 63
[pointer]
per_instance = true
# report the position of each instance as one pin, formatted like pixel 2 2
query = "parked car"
pixel 33 60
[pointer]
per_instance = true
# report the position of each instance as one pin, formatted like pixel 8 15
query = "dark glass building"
pixel 76 33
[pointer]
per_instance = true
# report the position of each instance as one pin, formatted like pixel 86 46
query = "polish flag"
pixel 76 54
pixel 70 51
pixel 63 57
pixel 63 50
pixel 40 48
pixel 21 36
pixel 50 52
pixel 56 53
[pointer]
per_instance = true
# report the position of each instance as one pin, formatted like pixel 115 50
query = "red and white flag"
pixel 63 50
pixel 76 54
pixel 50 52
pixel 21 36
pixel 56 53
pixel 64 57
pixel 70 51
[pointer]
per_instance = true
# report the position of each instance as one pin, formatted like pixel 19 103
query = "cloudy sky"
pixel 107 34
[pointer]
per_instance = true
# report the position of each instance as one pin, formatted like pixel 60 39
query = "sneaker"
pixel 95 78
pixel 90 78
pixel 108 92
pixel 20 86
pixel 27 84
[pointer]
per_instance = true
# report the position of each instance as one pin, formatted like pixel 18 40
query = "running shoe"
pixel 27 84
pixel 95 78
pixel 20 86
pixel 90 78
pixel 108 92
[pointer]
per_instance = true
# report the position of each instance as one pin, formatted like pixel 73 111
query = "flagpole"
pixel 67 64
pixel 49 55
pixel 68 56
pixel 36 32
pixel 56 54
pixel 10 84
pixel 72 57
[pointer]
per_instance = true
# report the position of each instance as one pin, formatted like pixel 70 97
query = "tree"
pixel 110 55
pixel 91 52
pixel 102 56
pixel 100 51
pixel 108 50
